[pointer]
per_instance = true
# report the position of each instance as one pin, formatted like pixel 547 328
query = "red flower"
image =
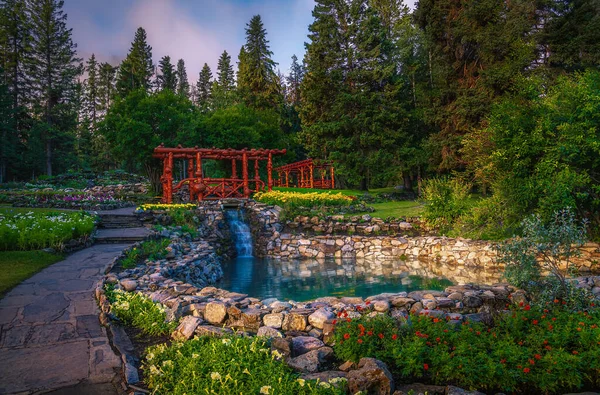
pixel 553 318
pixel 548 348
pixel 478 333
pixel 361 327
pixel 345 314
pixel 437 339
pixel 339 314
pixel 521 304
pixel 526 370
pixel 436 320
pixel 503 361
pixel 425 366
pixel 359 341
pixel 556 300
pixel 334 322
pixel 537 356
pixel 545 341
pixel 550 327
pixel 381 336
pixel 368 302
pixel 358 308
pixel 370 333
pixel 346 336
pixel 394 336
pixel 575 352
pixel 531 362
pixel 348 320
pixel 527 308
pixel 535 322
pixel 545 310
pixel 445 330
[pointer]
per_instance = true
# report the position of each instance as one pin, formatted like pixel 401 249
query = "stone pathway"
pixel 50 335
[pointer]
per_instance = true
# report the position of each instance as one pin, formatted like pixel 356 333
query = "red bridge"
pixel 307 173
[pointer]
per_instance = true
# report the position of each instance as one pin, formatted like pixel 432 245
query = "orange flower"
pixel 526 370
pixel 425 366
pixel 359 341
pixel 575 352
pixel 537 356
pixel 381 336
pixel 346 336
pixel 394 336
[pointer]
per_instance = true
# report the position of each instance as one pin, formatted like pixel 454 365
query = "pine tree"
pixel 167 79
pixel 106 86
pixel 257 80
pixel 293 81
pixel 91 103
pixel 53 68
pixel 225 75
pixel 204 87
pixel 183 85
pixel 137 69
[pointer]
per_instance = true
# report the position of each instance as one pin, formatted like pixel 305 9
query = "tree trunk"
pixel 49 156
pixel 364 186
pixel 154 174
pixel 407 182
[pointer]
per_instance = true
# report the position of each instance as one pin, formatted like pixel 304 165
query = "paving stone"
pixel 46 309
pixel 52 333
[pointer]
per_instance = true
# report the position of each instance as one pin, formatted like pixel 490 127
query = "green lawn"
pixel 405 208
pixel 8 209
pixel 16 266
pixel 347 192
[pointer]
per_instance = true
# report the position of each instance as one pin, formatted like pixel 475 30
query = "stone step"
pixel 124 235
pixel 109 221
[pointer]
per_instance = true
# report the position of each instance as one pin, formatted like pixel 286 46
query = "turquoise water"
pixel 303 280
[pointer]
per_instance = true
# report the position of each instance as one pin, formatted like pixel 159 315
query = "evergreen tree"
pixel 137 69
pixel 53 68
pixel 92 97
pixel 257 80
pixel 225 75
pixel 167 79
pixel 293 81
pixel 204 87
pixel 183 85
pixel 106 86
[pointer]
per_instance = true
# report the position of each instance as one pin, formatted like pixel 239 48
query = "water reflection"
pixel 302 280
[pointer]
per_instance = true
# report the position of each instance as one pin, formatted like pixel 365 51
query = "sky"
pixel 197 31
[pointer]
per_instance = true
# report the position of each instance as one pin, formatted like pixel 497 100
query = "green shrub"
pixel 546 248
pixel 137 310
pixel 446 199
pixel 33 231
pixel 149 249
pixel 529 350
pixel 235 365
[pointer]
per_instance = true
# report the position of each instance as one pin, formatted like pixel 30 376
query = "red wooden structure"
pixel 306 174
pixel 203 188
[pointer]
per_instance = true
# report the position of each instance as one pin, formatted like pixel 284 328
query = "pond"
pixel 303 280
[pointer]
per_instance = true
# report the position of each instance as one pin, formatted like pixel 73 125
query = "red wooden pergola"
pixel 306 174
pixel 206 188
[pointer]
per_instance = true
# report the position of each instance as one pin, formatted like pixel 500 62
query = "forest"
pixel 499 97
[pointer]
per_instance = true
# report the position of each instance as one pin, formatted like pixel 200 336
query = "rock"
pixel 318 318
pixel 416 308
pixel 381 305
pixel 352 300
pixel 294 322
pixel 186 328
pixel 402 301
pixel 129 285
pixel 451 390
pixel 215 313
pixel 347 366
pixel 303 344
pixel 455 296
pixel 282 346
pixel 208 330
pixel 420 389
pixel 371 377
pixel 273 320
pixel 267 331
pixel 311 361
pixel 472 301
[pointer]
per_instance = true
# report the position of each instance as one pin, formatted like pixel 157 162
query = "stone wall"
pixel 118 189
pixel 274 239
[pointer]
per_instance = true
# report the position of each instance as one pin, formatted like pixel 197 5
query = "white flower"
pixel 154 370
pixel 194 355
pixel 226 341
pixel 150 356
pixel 265 389
pixel 215 376
pixel 324 384
pixel 167 363
pixel 338 380
pixel 246 371
pixel 301 382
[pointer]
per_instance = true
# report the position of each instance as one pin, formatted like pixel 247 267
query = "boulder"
pixel 303 344
pixel 451 390
pixel 215 313
pixel 371 377
pixel 267 331
pixel 129 285
pixel 186 328
pixel 294 322
pixel 381 305
pixel 420 389
pixel 273 320
pixel 312 361
pixel 318 318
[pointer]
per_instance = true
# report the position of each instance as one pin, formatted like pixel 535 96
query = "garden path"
pixel 50 335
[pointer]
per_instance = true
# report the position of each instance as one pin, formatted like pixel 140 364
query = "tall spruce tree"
pixel 225 75
pixel 106 85
pixel 183 85
pixel 257 80
pixel 136 70
pixel 53 68
pixel 91 104
pixel 293 81
pixel 204 87
pixel 167 79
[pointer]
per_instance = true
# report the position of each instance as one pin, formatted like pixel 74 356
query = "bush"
pixel 529 350
pixel 135 309
pixel 445 200
pixel 34 231
pixel 149 249
pixel 546 248
pixel 235 365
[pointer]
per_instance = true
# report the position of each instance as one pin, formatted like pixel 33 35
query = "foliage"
pixel 183 86
pixel 149 249
pixel 29 231
pixel 17 266
pixel 137 310
pixel 228 365
pixel 154 206
pixel 445 200
pixel 529 349
pixel 167 79
pixel 298 199
pixel 546 248
pixel 136 69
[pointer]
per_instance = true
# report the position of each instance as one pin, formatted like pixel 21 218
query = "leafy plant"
pixel 148 249
pixel 446 199
pixel 230 365
pixel 546 248
pixel 137 310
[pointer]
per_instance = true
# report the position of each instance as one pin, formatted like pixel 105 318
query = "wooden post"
pixel 312 183
pixel 233 168
pixel 199 173
pixel 287 179
pixel 301 178
pixel 190 174
pixel 322 178
pixel 256 176
pixel 269 170
pixel 332 178
pixel 169 178
pixel 245 174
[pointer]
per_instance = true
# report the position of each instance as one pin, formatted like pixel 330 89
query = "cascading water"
pixel 241 233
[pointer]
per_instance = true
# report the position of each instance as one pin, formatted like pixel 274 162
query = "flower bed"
pixel 299 199
pixel 69 199
pixel 527 350
pixel 164 207
pixel 31 231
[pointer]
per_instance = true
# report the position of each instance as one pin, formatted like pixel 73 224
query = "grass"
pixel 8 209
pixel 17 266
pixel 405 208
pixel 347 192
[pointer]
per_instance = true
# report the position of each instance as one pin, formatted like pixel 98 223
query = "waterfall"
pixel 241 233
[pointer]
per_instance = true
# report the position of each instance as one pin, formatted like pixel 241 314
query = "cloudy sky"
pixel 196 30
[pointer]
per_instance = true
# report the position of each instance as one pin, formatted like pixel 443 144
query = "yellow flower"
pixel 265 389
pixel 301 382
pixel 215 376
